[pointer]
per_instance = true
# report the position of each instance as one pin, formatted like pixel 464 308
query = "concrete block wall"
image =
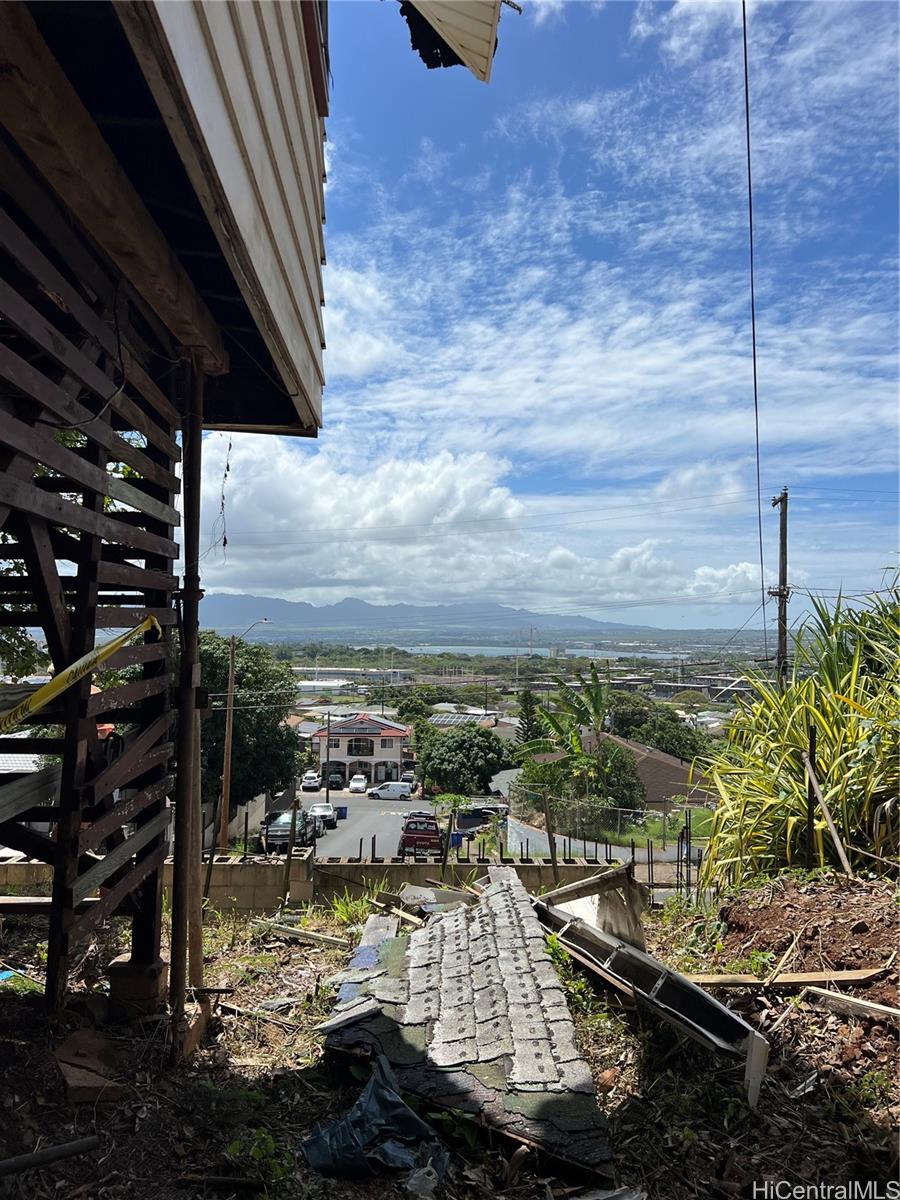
pixel 25 878
pixel 253 886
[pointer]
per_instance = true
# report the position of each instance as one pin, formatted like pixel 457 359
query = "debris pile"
pixel 470 1013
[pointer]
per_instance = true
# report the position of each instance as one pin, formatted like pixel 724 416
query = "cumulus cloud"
pixel 540 392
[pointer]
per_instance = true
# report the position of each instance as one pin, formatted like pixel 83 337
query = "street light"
pixel 229 729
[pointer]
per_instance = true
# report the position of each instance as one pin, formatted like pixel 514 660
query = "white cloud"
pixel 544 12
pixel 543 395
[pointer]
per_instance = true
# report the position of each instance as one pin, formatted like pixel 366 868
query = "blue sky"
pixel 539 375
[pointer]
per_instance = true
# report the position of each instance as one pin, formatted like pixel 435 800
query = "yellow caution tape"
pixel 64 679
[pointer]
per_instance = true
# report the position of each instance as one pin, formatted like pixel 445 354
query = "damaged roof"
pixel 470 1012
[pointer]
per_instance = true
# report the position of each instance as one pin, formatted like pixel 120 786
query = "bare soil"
pixel 679 1123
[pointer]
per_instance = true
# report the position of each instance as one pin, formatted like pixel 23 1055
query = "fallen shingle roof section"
pixel 472 1017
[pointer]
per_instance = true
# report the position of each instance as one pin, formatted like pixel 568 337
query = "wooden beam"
pixel 46 117
pixel 108 904
pixel 47 337
pixel 790 979
pixel 852 1006
pixel 91 879
pixel 35 384
pixel 40 562
pixel 123 812
pixel 30 499
pixel 32 745
pixel 38 787
pixel 30 906
pixel 126 694
pixel 33 261
pixel 35 845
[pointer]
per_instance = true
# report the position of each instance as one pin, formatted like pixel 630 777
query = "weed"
pixel 579 992
pixel 757 962
pixel 352 908
pixel 20 985
pixel 873 1089
pixel 256 1152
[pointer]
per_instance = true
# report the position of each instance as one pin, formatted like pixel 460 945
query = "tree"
pixel 663 731
pixel 412 708
pixel 628 710
pixel 463 759
pixel 264 756
pixel 616 776
pixel 530 726
pixel 20 654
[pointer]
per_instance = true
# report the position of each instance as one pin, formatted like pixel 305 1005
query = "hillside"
pixel 409 622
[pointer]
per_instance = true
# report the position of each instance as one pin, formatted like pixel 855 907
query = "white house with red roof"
pixel 364 745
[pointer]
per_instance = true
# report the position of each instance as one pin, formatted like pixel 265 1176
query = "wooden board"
pixel 43 113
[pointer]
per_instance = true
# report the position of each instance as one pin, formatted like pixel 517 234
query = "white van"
pixel 395 790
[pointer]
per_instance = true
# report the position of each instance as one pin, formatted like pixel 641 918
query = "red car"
pixel 421 834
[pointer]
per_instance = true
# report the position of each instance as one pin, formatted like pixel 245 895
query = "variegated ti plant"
pixel 845 680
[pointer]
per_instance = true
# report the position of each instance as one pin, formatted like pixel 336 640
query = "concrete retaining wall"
pixel 253 886
pixel 256 810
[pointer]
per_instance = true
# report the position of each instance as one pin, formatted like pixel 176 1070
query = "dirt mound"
pixel 843 925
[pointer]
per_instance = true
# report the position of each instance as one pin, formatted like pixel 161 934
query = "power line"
pixel 762 568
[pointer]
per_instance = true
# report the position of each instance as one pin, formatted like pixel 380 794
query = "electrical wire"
pixel 762 568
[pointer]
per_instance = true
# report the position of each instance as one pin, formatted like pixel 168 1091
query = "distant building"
pixel 326 687
pixel 364 745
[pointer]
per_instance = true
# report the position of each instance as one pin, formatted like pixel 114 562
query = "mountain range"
pixel 230 613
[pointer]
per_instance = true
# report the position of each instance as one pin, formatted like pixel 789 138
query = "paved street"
pixel 365 818
pixel 521 837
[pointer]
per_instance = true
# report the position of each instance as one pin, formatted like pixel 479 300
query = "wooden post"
pixel 288 858
pixel 550 837
pixel 195 899
pixel 187 747
pixel 829 821
pixel 222 836
pixel 810 797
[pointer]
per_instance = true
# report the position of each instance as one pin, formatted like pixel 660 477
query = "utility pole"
pixel 327 757
pixel 226 763
pixel 782 593
pixel 229 731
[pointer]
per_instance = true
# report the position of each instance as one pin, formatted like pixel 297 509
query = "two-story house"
pixel 364 745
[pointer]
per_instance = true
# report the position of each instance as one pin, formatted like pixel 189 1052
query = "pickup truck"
pixel 421 835
pixel 275 831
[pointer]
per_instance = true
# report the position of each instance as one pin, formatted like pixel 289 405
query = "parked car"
pixel 336 781
pixel 358 783
pixel 326 812
pixel 392 790
pixel 275 832
pixel 311 782
pixel 479 815
pixel 421 834
pixel 409 777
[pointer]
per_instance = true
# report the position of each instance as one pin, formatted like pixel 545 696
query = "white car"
pixel 311 782
pixel 326 812
pixel 358 784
